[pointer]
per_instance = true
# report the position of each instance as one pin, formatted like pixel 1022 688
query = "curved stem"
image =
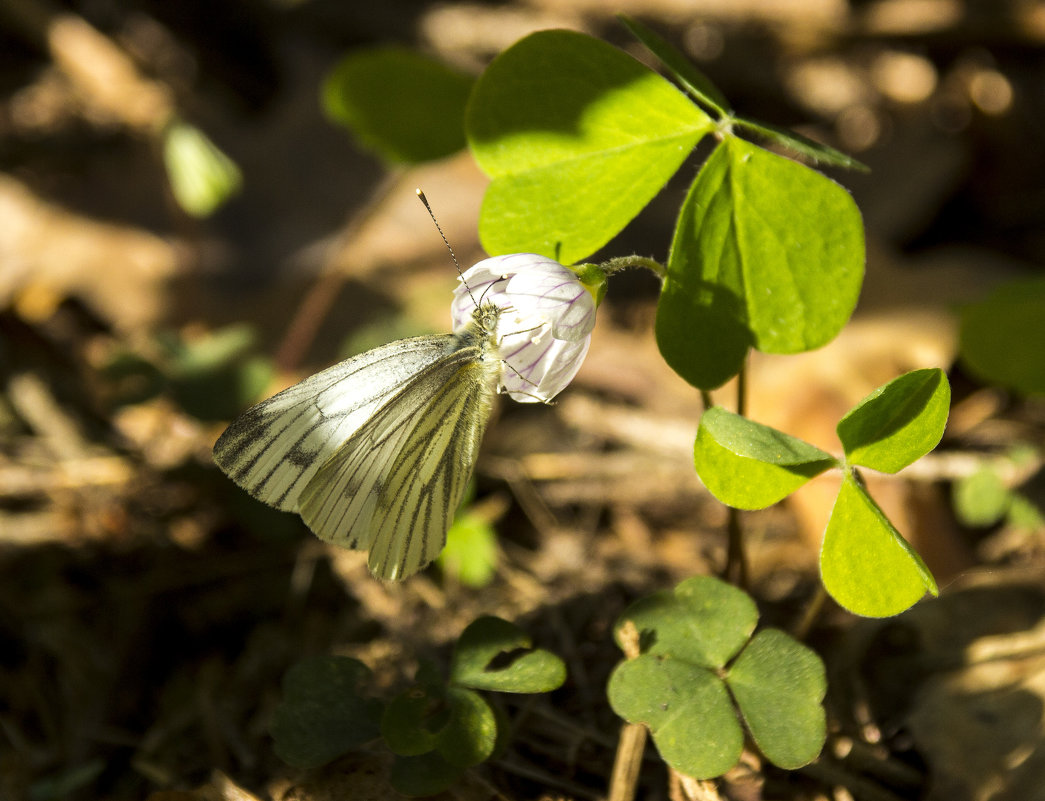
pixel 631 262
pixel 812 611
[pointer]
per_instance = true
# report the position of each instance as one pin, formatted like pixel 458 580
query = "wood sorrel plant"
pixel 767 254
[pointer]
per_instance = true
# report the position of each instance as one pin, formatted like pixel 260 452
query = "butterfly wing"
pixel 393 487
pixel 431 473
pixel 276 447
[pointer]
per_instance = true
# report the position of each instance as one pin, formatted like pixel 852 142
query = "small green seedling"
pixel 470 555
pixel 437 728
pixel 211 377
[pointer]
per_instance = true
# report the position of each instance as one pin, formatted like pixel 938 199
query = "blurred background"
pixel 148 608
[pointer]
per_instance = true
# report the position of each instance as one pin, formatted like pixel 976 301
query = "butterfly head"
pixel 486 317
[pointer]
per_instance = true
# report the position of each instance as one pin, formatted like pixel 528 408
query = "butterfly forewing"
pixel 339 503
pixel 275 448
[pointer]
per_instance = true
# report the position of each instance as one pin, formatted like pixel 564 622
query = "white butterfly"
pixel 375 452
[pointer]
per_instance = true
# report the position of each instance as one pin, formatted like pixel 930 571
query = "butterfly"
pixel 376 451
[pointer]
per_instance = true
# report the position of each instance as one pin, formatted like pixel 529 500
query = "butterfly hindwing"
pixel 431 473
pixel 397 481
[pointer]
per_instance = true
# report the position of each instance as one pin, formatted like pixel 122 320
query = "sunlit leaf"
pixel 865 564
pixel 578 137
pixel 750 466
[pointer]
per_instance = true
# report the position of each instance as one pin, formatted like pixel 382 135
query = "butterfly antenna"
pixel 457 264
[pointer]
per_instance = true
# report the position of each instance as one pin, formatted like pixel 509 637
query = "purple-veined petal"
pixel 545 326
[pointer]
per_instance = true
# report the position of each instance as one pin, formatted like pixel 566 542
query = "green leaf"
pixel 703 620
pixel 693 80
pixel 485 640
pixel 455 721
pixel 427 774
pixel 471 550
pixel 803 145
pixel 212 377
pixel 865 564
pixel 751 466
pixel 471 732
pixel 981 499
pixel 1001 339
pixel 700 328
pixel 578 137
pixel 412 720
pixel 767 253
pixel 202 177
pixel 403 105
pixel 323 713
pixel 1025 514
pixel 779 685
pixel 675 686
pixel 687 709
pixel 131 379
pixel 898 423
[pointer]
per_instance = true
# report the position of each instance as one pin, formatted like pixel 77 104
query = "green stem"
pixel 631 262
pixel 736 557
pixel 812 611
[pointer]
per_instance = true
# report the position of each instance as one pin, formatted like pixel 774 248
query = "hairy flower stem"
pixel 631 262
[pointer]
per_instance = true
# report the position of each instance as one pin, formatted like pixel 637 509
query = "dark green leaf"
pixel 213 377
pixel 687 709
pixel 703 621
pixel 412 720
pixel 401 104
pixel 779 684
pixel 471 732
pixel 487 639
pixel 427 774
pixel 323 713
pixel 1001 337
